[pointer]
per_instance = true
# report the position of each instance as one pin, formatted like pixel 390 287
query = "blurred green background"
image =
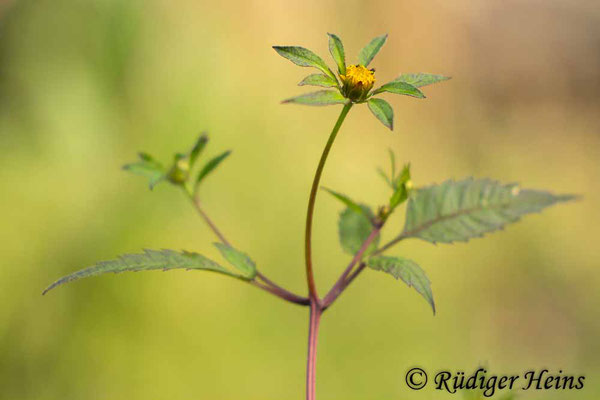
pixel 84 85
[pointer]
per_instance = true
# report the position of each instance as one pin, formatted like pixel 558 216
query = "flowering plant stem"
pixel 316 305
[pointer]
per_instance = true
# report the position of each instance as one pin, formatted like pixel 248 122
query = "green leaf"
pixel 304 58
pixel 319 80
pixel 239 260
pixel 386 178
pixel 354 228
pixel 408 271
pixel 459 211
pixel 319 98
pixel 369 51
pixel 346 200
pixel 402 88
pixel 382 110
pixel 401 191
pixel 197 149
pixel 336 48
pixel 150 260
pixel 393 164
pixel 148 167
pixel 421 79
pixel 210 166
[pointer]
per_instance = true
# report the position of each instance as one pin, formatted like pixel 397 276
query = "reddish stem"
pixel 341 283
pixel 313 334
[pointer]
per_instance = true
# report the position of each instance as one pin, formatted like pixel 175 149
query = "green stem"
pixel 312 289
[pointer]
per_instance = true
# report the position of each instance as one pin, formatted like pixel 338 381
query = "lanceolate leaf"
pixel 400 188
pixel 320 98
pixel 408 271
pixel 459 211
pixel 421 79
pixel 336 48
pixel 355 228
pixel 303 57
pixel 346 200
pixel 398 87
pixel 149 260
pixel 211 165
pixel 369 51
pixel 319 80
pixel 148 167
pixel 197 149
pixel 382 110
pixel 386 178
pixel 239 260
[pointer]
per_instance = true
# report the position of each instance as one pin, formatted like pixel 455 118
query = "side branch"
pixel 268 285
pixel 343 280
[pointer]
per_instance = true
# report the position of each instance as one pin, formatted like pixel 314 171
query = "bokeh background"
pixel 84 85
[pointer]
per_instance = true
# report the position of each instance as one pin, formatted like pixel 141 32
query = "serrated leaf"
pixel 382 110
pixel 318 80
pixel 458 211
pixel 304 58
pixel 346 200
pixel 421 79
pixel 197 149
pixel 239 260
pixel 210 166
pixel 407 270
pixel 336 48
pixel 354 228
pixel 319 98
pixel 149 260
pixel 398 87
pixel 368 52
pixel 148 167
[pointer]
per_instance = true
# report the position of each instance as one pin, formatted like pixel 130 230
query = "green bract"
pixel 353 83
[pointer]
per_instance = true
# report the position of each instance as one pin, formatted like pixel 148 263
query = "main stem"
pixel 316 307
pixel 313 336
pixel 312 289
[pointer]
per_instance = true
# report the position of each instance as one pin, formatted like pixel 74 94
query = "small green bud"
pixel 180 171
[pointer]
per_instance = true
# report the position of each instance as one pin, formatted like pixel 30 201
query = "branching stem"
pixel 268 284
pixel 343 282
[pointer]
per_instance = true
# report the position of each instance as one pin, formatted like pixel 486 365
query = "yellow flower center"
pixel 357 82
pixel 359 75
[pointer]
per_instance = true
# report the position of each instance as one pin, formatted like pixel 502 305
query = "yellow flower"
pixel 357 82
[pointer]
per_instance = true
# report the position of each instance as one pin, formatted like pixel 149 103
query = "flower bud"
pixel 180 171
pixel 357 82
